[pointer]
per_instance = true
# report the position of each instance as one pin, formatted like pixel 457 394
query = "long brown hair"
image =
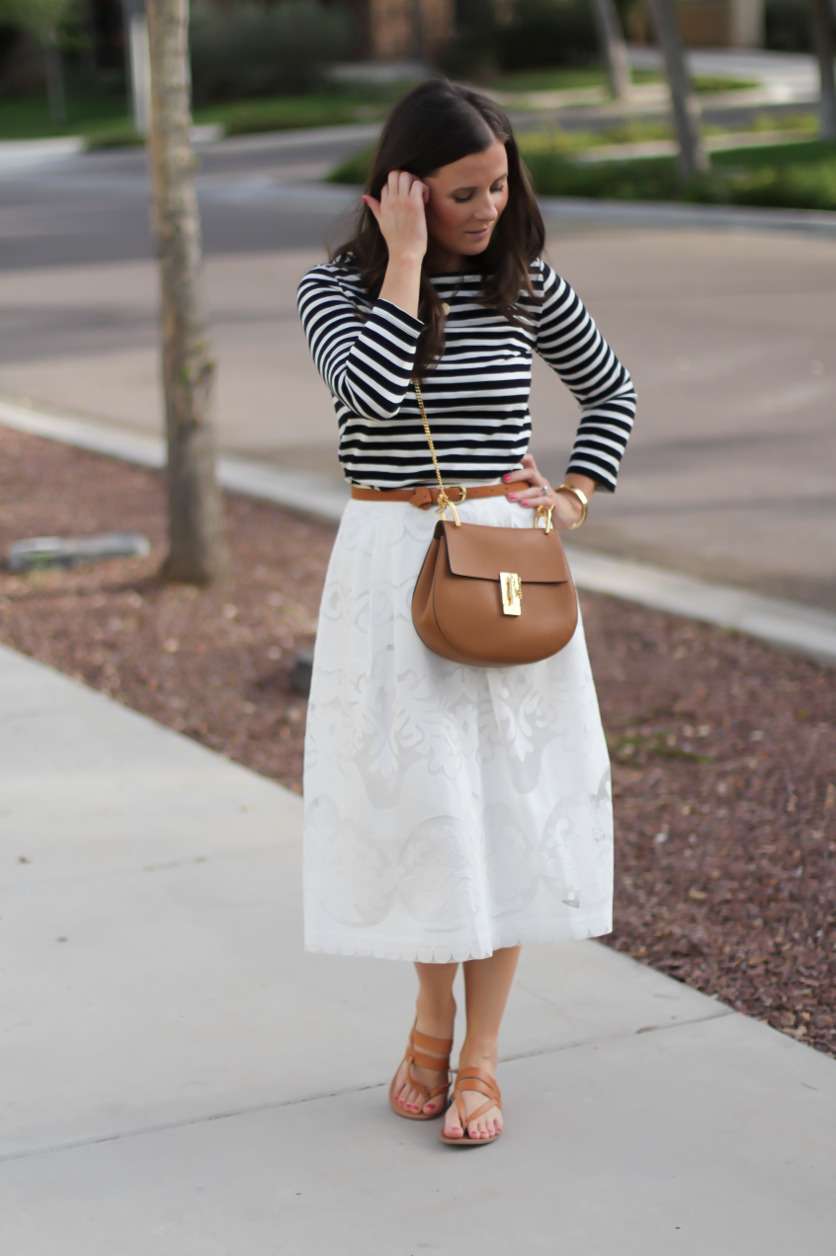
pixel 435 124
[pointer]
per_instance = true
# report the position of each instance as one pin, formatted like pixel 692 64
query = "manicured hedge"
pixel 800 175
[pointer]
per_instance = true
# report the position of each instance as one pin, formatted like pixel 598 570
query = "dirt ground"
pixel 724 749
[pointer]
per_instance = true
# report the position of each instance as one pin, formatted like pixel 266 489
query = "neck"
pixel 440 262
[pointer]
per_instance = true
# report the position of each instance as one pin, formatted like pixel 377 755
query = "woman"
pixel 452 813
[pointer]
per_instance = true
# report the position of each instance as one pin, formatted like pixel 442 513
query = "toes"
pixel 407 1099
pixel 452 1128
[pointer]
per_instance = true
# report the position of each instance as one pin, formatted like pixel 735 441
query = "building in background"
pixel 723 23
pixel 399 30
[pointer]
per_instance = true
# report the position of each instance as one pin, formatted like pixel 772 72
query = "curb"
pixel 782 623
pixel 572 210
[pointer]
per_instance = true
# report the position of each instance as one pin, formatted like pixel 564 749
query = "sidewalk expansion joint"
pixel 165 1127
pixel 720 1014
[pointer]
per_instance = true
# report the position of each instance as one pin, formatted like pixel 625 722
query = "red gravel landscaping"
pixel 724 749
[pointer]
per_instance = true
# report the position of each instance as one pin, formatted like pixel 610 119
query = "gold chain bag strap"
pixel 492 597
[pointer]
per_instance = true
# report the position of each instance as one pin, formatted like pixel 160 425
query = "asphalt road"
pixel 94 208
pixel 732 469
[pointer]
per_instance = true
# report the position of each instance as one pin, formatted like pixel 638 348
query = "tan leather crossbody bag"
pixel 492 597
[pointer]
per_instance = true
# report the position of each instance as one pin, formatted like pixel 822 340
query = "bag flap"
pixel 481 552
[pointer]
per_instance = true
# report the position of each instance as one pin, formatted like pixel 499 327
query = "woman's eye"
pixel 462 200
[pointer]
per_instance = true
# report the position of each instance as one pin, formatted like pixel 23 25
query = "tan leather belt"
pixel 424 495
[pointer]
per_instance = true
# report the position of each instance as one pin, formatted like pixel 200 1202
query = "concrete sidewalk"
pixel 178 1077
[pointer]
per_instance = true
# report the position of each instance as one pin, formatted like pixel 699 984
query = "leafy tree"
pixel 43 18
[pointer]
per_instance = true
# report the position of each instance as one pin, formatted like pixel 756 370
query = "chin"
pixel 471 248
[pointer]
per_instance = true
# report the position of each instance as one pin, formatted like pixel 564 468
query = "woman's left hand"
pixel 567 508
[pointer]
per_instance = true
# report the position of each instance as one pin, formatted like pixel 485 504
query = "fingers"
pixel 527 472
pixel 566 511
pixel 399 186
pixel 373 205
pixel 531 472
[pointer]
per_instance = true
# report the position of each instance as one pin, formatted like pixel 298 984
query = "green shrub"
pixel 295 113
pixel 124 136
pixel 788 187
pixel 799 175
pixel 788 26
pixel 548 32
pixel 262 52
pixel 472 53
pixel 354 170
pixel 543 33
pixel 649 179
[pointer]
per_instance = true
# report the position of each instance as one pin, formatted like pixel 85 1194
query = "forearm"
pixel 402 283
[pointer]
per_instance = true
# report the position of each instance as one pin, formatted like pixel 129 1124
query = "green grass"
pixel 89 110
pixel 638 131
pixel 292 112
pixel 797 175
pixel 560 79
pixel 569 80
pixel 102 116
pixel 713 84
pixel 100 111
pixel 251 117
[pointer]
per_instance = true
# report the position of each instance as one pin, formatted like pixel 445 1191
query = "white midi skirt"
pixel 449 810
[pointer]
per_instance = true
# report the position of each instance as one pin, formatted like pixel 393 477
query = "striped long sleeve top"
pixel 476 396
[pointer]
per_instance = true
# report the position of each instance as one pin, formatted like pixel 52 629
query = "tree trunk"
pixel 613 47
pixel 197 553
pixel 140 70
pixel 822 20
pixel 419 32
pixel 55 84
pixel 693 159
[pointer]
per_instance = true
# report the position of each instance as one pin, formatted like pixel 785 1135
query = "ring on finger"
pixel 545 490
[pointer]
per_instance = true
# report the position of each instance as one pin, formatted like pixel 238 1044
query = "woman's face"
pixel 466 199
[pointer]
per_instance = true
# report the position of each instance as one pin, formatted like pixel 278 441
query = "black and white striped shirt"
pixel 476 396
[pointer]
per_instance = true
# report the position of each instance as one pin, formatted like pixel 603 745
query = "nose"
pixel 487 211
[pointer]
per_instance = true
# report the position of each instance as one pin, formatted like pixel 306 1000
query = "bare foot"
pixel 490 1122
pixel 405 1094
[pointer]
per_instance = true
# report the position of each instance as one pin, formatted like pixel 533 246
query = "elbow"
pixel 372 408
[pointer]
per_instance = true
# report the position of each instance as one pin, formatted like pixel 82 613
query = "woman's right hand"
pixel 401 217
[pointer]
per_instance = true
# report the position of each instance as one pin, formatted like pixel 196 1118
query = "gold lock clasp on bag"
pixel 511 588
pixel 544 512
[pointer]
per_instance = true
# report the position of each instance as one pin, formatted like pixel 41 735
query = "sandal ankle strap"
pixel 439 1062
pixel 441 1045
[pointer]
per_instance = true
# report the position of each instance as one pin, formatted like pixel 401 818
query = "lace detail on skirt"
pixel 450 810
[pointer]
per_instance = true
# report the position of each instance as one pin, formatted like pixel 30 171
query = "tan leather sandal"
pixel 473 1079
pixel 439 1063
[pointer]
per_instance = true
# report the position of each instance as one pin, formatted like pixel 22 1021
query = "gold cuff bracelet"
pixel 582 498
